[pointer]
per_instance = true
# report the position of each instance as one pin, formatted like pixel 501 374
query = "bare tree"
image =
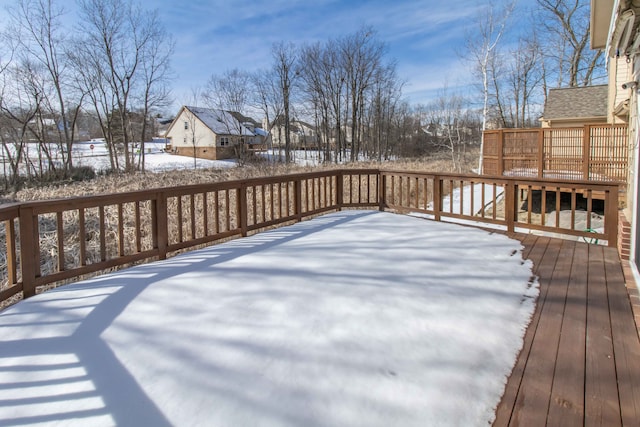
pixel 266 98
pixel 191 119
pixel 383 109
pixel 566 24
pixel 156 73
pixel 19 106
pixel 36 29
pixel 123 58
pixel 231 92
pixel 451 121
pixel 362 58
pixel 284 67
pixel 524 77
pixel 347 84
pixel 317 92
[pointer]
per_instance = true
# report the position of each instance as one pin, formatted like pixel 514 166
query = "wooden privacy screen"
pixel 591 152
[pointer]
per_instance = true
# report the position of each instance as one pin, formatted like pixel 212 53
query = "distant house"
pixel 575 106
pixel 212 134
pixel 50 130
pixel 302 135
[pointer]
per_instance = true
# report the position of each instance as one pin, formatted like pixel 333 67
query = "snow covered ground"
pixel 357 318
pixel 156 159
pixel 95 154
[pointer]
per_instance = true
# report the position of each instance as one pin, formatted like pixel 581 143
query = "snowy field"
pixel 358 318
pixel 156 159
pixel 96 155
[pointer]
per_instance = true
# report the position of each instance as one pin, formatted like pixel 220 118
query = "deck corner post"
pixel 437 197
pixel 241 207
pixel 339 189
pixel 382 191
pixel 297 202
pixel 160 224
pixel 29 250
pixel 611 217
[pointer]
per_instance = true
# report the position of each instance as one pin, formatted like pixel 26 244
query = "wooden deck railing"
pixel 591 152
pixel 55 241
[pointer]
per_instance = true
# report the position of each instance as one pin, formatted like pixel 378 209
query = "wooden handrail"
pixel 116 230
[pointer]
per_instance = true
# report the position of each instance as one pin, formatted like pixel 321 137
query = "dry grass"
pixel 439 162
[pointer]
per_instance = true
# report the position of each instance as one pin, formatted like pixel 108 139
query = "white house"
pixel 212 134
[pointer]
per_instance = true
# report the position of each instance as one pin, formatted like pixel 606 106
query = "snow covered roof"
pixel 219 121
pixel 261 132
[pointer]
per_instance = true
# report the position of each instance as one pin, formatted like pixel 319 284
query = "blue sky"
pixel 426 38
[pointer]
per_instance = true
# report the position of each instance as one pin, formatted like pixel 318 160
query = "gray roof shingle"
pixel 576 102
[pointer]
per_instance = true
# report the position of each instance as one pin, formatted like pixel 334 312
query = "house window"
pixel 185 139
pixel 186 125
pixel 224 141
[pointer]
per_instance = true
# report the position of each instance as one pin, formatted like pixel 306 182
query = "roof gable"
pixel 576 103
pixel 219 122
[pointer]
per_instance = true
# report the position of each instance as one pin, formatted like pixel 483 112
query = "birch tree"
pixel 482 45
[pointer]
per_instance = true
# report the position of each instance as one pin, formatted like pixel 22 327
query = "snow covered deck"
pixel 352 318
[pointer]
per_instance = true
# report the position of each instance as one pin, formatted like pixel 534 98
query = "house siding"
pixel 188 134
pixel 201 136
pixel 208 153
pixel 620 71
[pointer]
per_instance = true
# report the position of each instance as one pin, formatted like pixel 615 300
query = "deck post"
pixel 29 250
pixel 511 199
pixel 437 197
pixel 159 224
pixel 339 189
pixel 11 251
pixel 297 202
pixel 241 208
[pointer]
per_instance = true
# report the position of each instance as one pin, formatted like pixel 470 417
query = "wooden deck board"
pixel 580 362
pixel 626 351
pixel 567 394
pixel 535 388
pixel 601 394
pixel 505 408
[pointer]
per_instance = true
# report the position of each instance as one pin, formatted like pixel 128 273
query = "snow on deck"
pixel 353 318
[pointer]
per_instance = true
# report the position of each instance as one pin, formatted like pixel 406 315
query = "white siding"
pixel 181 137
pixel 623 74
